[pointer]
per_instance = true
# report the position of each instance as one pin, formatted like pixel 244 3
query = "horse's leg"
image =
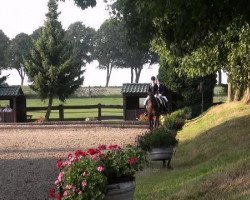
pixel 150 122
pixel 156 121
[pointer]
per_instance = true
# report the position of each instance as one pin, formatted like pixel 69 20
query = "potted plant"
pixel 175 121
pixel 99 173
pixel 159 143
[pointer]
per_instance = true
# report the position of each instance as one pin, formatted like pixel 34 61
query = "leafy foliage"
pixel 18 50
pixel 175 120
pixel 81 38
pixel 52 68
pixel 83 4
pixel 107 45
pixel 198 37
pixel 157 138
pixel 86 174
pixel 4 42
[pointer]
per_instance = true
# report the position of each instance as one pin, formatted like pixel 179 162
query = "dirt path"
pixel 28 157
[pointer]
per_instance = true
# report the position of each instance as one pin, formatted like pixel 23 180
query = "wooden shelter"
pixel 17 104
pixel 134 95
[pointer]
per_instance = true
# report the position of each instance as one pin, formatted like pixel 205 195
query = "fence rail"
pixel 99 108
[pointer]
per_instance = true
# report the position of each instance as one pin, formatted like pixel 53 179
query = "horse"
pixel 153 111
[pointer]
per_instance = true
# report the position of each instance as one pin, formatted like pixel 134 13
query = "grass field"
pixel 81 113
pixel 212 161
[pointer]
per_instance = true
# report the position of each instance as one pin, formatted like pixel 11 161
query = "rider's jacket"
pixel 162 90
pixel 153 89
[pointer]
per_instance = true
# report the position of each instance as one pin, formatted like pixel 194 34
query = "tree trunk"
pixel 246 97
pixel 229 92
pixel 109 70
pixel 219 77
pixel 22 80
pixel 49 108
pixel 237 94
pixel 137 74
pixel 132 74
pixel 21 73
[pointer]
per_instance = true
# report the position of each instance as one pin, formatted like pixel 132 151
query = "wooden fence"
pixel 99 108
pixel 7 116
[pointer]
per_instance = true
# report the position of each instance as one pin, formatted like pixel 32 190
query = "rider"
pixel 153 89
pixel 162 92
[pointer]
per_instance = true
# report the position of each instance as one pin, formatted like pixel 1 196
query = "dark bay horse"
pixel 153 112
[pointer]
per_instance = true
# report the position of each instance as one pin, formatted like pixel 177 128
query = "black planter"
pixel 120 191
pixel 162 154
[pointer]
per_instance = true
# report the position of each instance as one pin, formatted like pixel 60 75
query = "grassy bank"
pixel 211 162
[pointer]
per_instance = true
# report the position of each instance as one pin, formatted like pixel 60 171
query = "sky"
pixel 18 16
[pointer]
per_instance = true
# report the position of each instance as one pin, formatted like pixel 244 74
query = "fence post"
pixel 61 112
pixel 99 112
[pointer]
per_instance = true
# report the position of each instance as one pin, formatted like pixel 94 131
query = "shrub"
pixel 175 120
pixel 157 138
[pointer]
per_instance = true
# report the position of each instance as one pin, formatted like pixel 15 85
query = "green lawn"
pixel 211 162
pixel 80 113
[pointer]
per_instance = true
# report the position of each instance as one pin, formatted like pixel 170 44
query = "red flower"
pixel 52 193
pixel 59 164
pixel 92 151
pixel 70 157
pixel 132 161
pixel 114 147
pixel 58 197
pixel 80 153
pixel 102 147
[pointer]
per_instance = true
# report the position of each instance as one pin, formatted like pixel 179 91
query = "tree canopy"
pixel 81 38
pixel 16 53
pixel 107 46
pixel 201 36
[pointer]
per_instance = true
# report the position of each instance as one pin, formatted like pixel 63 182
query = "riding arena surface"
pixel 28 155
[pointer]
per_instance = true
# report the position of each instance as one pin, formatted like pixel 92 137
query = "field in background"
pixel 83 96
pixel 93 96
pixel 80 113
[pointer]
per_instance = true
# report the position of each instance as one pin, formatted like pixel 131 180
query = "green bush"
pixel 175 120
pixel 157 138
pixel 220 90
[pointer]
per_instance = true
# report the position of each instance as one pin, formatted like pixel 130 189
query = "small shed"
pixel 17 104
pixel 134 95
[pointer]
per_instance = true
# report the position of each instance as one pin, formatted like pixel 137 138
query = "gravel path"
pixel 28 156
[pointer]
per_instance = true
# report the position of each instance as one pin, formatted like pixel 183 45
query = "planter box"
pixel 162 154
pixel 120 191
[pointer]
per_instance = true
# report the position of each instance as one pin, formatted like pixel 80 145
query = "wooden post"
pixel 99 112
pixel 61 112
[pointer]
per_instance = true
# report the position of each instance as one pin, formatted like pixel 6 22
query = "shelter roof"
pixel 10 91
pixel 135 88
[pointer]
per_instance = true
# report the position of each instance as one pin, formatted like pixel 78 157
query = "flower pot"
pixel 120 191
pixel 161 153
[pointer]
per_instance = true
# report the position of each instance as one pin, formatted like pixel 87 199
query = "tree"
pixel 81 38
pixel 107 46
pixel 135 59
pixel 36 33
pixel 83 4
pixel 194 32
pixel 4 42
pixel 18 50
pixel 51 68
